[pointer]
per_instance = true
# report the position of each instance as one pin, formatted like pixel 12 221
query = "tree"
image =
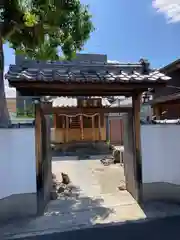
pixel 40 29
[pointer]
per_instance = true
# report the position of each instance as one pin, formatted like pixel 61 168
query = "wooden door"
pixel 116 131
pixel 130 156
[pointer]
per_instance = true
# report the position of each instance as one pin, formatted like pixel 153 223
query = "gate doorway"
pixel 87 80
pixel 133 181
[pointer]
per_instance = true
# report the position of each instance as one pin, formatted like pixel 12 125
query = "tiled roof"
pixel 82 72
pixel 175 65
pixel 162 99
pixel 72 102
pixel 127 102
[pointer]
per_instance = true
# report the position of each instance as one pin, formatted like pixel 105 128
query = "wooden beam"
pixel 47 109
pixel 57 88
pixel 55 93
pixel 138 159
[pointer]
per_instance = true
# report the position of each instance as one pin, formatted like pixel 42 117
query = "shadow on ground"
pixel 65 213
pixel 165 229
pixel 75 208
pixel 82 150
pixel 69 213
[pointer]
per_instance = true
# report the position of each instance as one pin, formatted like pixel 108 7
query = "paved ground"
pixel 95 200
pixel 162 229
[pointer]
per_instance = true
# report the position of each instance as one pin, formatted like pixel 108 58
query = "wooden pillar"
pixel 107 128
pixel 82 127
pixel 63 128
pixel 93 129
pixel 157 112
pixel 137 142
pixel 67 128
pixel 38 136
pixel 99 126
pixel 55 120
pixel 43 151
pixel 54 130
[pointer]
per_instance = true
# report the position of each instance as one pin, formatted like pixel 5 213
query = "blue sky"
pixel 127 30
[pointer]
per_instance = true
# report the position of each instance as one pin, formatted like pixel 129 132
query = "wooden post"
pixel 107 128
pixel 43 150
pixel 99 126
pixel 82 127
pixel 93 132
pixel 38 136
pixel 55 120
pixel 67 128
pixel 63 128
pixel 137 138
pixel 157 112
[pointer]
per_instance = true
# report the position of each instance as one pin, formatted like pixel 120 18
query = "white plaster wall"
pixel 17 161
pixel 160 153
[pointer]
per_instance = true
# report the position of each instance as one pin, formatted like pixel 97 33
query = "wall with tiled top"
pixel 160 146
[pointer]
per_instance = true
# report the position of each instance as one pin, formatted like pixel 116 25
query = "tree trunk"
pixel 4 114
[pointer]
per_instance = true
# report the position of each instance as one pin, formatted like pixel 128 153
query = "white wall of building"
pixel 160 153
pixel 17 161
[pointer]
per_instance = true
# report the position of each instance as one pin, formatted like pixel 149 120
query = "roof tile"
pixel 83 73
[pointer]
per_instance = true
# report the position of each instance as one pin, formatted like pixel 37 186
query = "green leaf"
pixel 39 28
pixel 30 19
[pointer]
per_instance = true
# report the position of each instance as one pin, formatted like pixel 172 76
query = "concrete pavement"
pixel 159 229
pixel 95 200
